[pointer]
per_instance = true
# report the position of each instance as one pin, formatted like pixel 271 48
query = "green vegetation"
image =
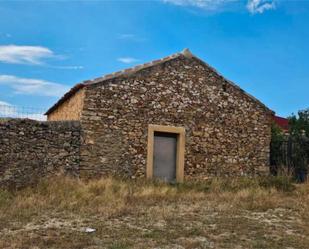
pixel 299 133
pixel 299 125
pixel 290 153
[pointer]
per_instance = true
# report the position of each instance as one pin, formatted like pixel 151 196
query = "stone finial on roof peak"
pixel 187 53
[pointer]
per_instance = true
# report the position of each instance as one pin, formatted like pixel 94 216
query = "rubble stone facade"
pixel 227 131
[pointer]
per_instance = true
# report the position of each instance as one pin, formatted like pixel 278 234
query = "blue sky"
pixel 48 46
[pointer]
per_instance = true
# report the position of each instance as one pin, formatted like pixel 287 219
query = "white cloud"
pixel 68 67
pixel 30 86
pixel 127 60
pixel 4 103
pixel 14 54
pixel 253 6
pixel 31 55
pixel 259 6
pixel 130 37
pixel 204 4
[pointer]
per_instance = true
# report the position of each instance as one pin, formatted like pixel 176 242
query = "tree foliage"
pixel 277 140
pixel 292 151
pixel 299 134
pixel 299 126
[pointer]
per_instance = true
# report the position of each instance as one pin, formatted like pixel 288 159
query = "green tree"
pixel 299 126
pixel 299 135
pixel 277 158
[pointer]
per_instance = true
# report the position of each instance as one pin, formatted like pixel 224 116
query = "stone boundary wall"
pixel 31 149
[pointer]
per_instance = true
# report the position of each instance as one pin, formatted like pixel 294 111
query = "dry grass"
pixel 238 213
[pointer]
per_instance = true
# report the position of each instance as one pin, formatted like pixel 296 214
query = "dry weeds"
pixel 239 213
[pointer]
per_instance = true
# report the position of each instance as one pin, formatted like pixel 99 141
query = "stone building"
pixel 172 118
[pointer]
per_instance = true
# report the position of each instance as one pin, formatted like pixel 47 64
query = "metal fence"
pixel 291 157
pixel 10 111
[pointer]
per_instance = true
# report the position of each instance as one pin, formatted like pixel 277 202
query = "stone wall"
pixel 227 132
pixel 30 150
pixel 70 109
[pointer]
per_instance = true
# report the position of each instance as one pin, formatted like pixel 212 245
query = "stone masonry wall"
pixel 227 132
pixel 30 150
pixel 70 109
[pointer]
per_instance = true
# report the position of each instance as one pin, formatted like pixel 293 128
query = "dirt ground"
pixel 109 213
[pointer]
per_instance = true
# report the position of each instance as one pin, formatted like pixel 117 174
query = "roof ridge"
pixel 129 71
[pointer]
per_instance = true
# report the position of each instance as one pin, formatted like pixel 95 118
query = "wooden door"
pixel 164 156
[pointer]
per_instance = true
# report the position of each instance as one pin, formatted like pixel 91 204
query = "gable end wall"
pixel 227 132
pixel 69 110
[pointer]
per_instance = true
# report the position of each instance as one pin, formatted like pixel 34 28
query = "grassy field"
pixel 240 213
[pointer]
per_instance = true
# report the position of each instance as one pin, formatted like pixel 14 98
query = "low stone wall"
pixel 31 149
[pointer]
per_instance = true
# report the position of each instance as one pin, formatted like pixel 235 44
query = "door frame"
pixel 180 154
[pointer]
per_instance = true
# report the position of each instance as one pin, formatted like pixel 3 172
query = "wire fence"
pixel 10 111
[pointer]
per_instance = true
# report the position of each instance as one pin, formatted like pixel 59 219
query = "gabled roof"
pixel 283 123
pixel 66 96
pixel 130 71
